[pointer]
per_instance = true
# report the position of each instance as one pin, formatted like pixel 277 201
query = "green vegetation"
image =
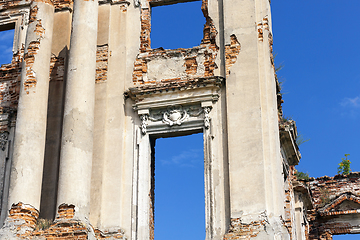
pixel 301 175
pixel 300 139
pixel 344 166
pixel 324 197
pixel 43 224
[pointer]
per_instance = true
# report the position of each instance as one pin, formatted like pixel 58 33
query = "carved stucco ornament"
pixel 144 119
pixel 3 140
pixel 207 117
pixel 175 115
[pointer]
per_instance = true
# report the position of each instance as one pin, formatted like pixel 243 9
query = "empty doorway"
pixel 179 206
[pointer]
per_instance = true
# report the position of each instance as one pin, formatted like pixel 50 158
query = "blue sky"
pixel 317 43
pixel 179 188
pixel 6 42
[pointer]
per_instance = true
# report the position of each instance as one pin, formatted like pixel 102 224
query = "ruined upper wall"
pixel 336 202
pixel 325 189
pixel 160 65
pixel 10 4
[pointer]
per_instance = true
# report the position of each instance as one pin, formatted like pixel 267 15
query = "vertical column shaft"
pixel 77 136
pixel 29 145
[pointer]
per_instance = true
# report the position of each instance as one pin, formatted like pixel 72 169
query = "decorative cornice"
pixel 112 2
pixel 288 134
pixel 143 91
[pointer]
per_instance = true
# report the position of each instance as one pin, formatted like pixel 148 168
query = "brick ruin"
pixel 85 97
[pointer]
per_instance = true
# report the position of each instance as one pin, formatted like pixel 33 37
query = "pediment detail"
pixel 346 203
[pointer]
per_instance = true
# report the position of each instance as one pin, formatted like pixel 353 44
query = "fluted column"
pixel 77 136
pixel 29 145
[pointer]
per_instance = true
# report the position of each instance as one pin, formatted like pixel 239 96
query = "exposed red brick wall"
pixel 10 75
pixel 231 52
pixel 64 227
pixel 29 58
pixel 325 189
pixel 207 48
pixel 289 207
pixel 191 65
pixel 145 42
pixel 10 78
pixel 8 4
pixel 327 193
pixel 61 4
pixel 24 212
pixel 102 55
pixel 239 230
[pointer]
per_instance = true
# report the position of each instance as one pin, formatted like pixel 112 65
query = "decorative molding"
pixel 144 119
pixel 3 140
pixel 21 20
pixel 207 117
pixel 113 2
pixel 179 117
pixel 142 92
pixel 25 17
pixel 175 115
pixel 164 111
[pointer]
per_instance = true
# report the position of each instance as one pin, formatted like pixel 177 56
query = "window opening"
pixel 179 188
pixel 6 43
pixel 177 26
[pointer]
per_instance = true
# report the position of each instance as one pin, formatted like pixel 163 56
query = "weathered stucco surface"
pixel 85 96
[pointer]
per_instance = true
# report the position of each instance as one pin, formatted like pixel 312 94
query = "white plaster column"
pixel 77 136
pixel 29 145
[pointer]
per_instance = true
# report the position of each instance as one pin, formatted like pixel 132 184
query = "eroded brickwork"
pixel 325 189
pixel 63 4
pixel 10 77
pixel 26 213
pixel 102 55
pixel 9 85
pixel 289 202
pixel 24 218
pixel 239 230
pixel 191 63
pixel 335 198
pixel 231 52
pixel 8 4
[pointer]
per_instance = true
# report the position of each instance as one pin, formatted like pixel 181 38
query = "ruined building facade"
pixel 85 96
